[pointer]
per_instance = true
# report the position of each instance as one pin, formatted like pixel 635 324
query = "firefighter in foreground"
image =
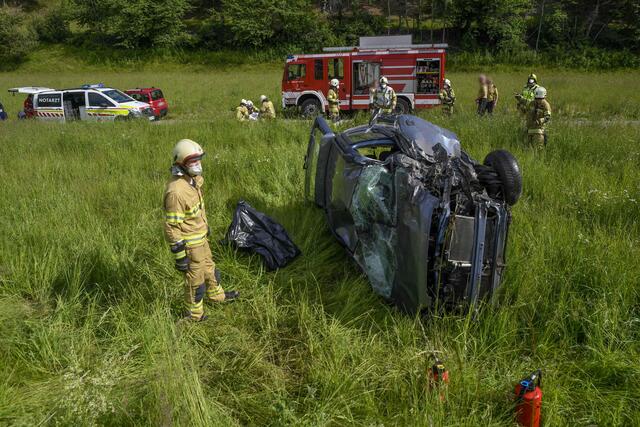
pixel 242 112
pixel 267 110
pixel 526 97
pixel 334 100
pixel 538 116
pixel 448 98
pixel 383 98
pixel 186 230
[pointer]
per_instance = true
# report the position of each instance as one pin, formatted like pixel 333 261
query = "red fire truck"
pixel 416 73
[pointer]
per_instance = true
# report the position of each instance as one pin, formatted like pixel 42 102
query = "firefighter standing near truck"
pixel 492 96
pixel 186 231
pixel 383 98
pixel 334 100
pixel 242 112
pixel 538 116
pixel 526 97
pixel 448 97
pixel 267 110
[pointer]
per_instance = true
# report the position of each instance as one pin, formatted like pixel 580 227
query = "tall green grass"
pixel 89 300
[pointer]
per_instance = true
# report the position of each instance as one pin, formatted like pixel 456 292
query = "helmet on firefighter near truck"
pixel 447 82
pixel 532 79
pixel 540 93
pixel 384 81
pixel 186 151
pixel 334 82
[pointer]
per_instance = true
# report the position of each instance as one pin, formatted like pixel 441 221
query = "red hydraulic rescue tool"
pixel 529 400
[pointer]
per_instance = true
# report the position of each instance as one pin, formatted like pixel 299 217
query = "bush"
pixel 134 24
pixel 18 39
pixel 54 25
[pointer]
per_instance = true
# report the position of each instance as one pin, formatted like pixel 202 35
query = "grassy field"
pixel 89 298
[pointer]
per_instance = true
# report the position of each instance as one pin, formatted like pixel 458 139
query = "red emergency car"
pixel 152 96
pixel 416 73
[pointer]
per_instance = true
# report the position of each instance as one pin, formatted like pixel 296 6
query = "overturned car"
pixel 426 223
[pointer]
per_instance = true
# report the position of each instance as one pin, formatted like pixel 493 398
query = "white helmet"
pixel 447 82
pixel 249 103
pixel 334 82
pixel 243 102
pixel 263 98
pixel 384 80
pixel 540 93
pixel 186 150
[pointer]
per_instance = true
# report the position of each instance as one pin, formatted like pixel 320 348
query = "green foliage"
pixel 89 299
pixel 17 38
pixel 133 23
pixel 54 24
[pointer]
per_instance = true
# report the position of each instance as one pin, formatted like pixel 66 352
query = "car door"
pixel 99 107
pixel 48 106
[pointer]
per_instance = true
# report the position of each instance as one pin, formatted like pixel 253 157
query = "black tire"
pixel 403 106
pixel 310 108
pixel 507 168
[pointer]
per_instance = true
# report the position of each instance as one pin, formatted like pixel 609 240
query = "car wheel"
pixel 310 108
pixel 508 171
pixel 403 106
pixel 121 118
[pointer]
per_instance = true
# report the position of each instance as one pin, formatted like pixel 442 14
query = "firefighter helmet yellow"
pixel 185 151
pixel 334 82
pixel 540 93
pixel 533 77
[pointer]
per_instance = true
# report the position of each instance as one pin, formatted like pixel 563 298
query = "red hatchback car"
pixel 152 96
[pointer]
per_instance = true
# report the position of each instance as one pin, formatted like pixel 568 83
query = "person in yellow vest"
pixel 483 94
pixel 492 96
pixel 383 98
pixel 334 100
pixel 526 97
pixel 448 97
pixel 242 112
pixel 538 116
pixel 186 231
pixel 267 110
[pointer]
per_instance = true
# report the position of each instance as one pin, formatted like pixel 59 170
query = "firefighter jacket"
pixel 267 110
pixel 538 116
pixel 492 93
pixel 447 96
pixel 483 92
pixel 185 217
pixel 334 101
pixel 242 113
pixel 384 98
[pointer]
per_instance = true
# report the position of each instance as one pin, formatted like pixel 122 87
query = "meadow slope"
pixel 89 298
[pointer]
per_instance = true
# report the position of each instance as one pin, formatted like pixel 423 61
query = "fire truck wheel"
pixel 310 108
pixel 403 106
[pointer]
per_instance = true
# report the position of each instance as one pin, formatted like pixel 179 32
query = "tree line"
pixel 503 28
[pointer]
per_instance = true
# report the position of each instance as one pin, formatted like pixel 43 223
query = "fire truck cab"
pixel 416 73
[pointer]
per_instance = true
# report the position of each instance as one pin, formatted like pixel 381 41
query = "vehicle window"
pixel 117 96
pixel 157 94
pixel 97 100
pixel 365 77
pixel 139 97
pixel 428 75
pixel 336 68
pixel 365 136
pixel 296 71
pixel 50 100
pixel 317 70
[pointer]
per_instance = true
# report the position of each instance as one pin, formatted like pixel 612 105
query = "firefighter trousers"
pixel 201 281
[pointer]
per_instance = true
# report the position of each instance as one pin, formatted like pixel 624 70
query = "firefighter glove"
pixel 182 260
